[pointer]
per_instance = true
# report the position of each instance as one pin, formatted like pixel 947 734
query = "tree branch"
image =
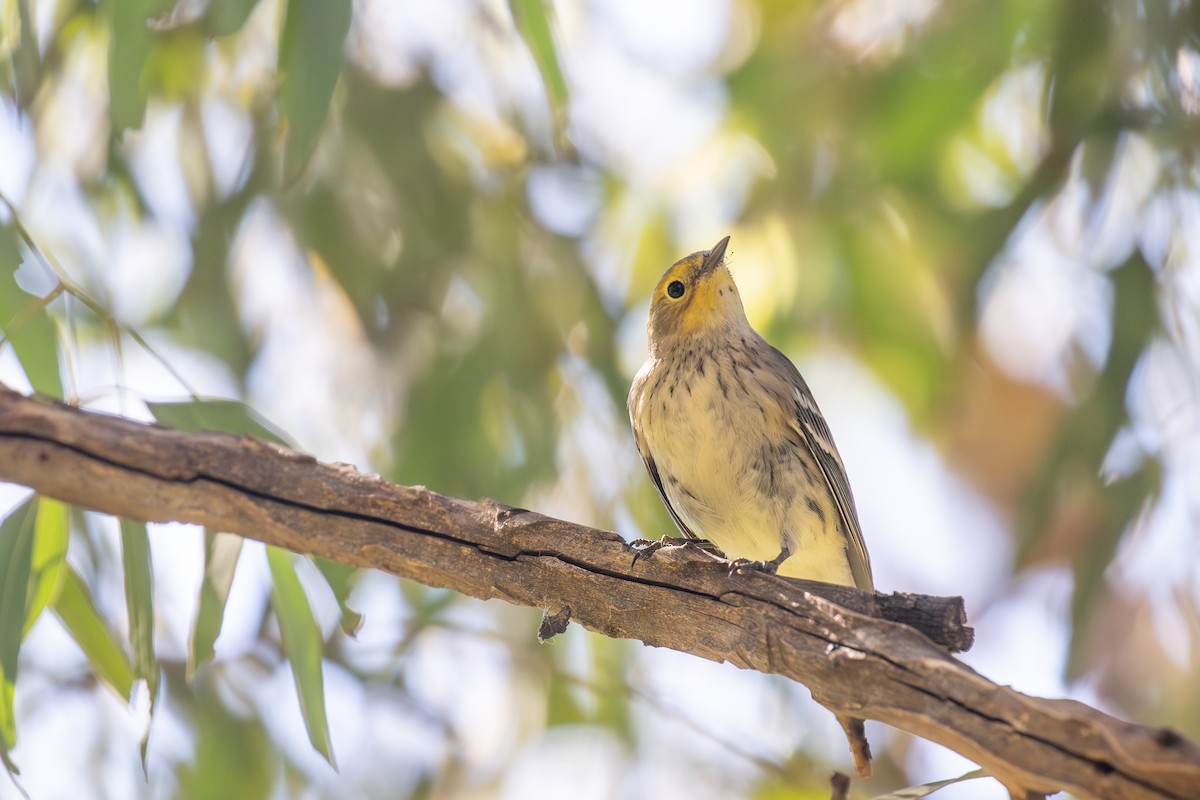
pixel 845 645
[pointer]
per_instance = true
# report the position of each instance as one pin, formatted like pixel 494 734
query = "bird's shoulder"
pixel 780 380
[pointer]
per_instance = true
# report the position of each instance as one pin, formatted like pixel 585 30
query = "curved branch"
pixel 845 645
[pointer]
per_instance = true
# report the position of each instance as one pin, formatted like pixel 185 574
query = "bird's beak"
pixel 715 257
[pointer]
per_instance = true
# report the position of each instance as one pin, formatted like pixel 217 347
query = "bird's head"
pixel 696 295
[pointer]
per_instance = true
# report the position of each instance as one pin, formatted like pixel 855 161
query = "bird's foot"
pixel 739 565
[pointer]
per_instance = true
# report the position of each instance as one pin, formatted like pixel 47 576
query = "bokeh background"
pixel 420 238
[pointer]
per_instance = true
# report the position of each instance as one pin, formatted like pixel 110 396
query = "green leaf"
pixel 562 699
pixel 228 16
pixel 10 253
pixel 19 44
pixel 611 664
pixel 50 537
pixel 27 324
pixel 926 789
pixel 174 66
pixel 139 603
pixel 16 556
pixel 533 22
pixel 230 416
pixel 221 551
pixel 139 600
pixel 341 579
pixel 129 47
pixel 75 607
pixel 36 344
pixel 303 645
pixel 230 750
pixel 205 306
pixel 310 60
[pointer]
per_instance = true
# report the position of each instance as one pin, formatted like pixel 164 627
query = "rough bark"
pixel 845 645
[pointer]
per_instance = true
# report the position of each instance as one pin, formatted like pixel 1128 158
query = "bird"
pixel 733 439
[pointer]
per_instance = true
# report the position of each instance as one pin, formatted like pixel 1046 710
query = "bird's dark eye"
pixel 675 289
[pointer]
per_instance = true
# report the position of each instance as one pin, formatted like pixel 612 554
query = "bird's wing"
pixel 643 446
pixel 806 419
pixel 652 468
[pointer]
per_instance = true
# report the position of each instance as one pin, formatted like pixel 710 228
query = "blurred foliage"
pixel 419 241
pixel 16 539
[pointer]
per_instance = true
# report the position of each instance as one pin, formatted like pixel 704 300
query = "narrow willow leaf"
pixel 50 537
pixel 303 645
pixel 221 551
pixel 139 600
pixel 11 766
pixel 10 251
pixel 926 789
pixel 228 16
pixel 233 416
pixel 26 324
pixel 230 416
pixel 533 18
pixel 139 603
pixel 233 756
pixel 341 579
pixel 310 60
pixel 533 23
pixel 26 60
pixel 16 556
pixel 131 40
pixel 75 607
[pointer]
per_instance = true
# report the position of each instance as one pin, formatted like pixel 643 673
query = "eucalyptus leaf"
pixel 77 611
pixel 304 646
pixel 221 552
pixel 341 579
pixel 229 416
pixel 130 45
pixel 310 60
pixel 26 324
pixel 139 600
pixel 532 18
pixel 228 16
pixel 16 556
pixel 51 534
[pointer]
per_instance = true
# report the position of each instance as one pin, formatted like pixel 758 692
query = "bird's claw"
pixel 769 567
pixel 739 565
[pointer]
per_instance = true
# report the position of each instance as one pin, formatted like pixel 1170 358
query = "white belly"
pixel 736 480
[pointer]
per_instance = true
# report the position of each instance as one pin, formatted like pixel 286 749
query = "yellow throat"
pixel 696 295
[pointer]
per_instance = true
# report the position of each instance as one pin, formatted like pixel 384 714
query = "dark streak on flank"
pixel 815 507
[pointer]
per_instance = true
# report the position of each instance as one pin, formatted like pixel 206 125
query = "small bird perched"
pixel 733 439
